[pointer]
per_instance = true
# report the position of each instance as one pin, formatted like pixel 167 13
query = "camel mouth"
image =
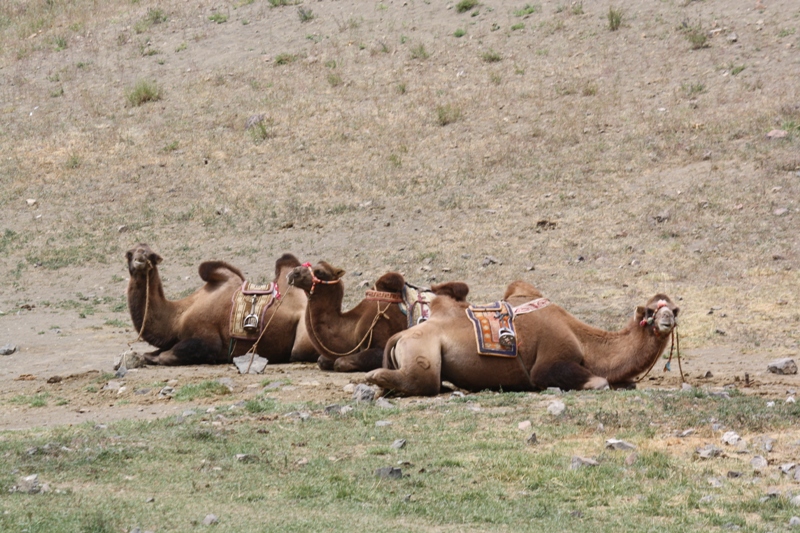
pixel 138 264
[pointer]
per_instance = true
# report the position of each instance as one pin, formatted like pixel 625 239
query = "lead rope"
pixel 266 326
pixel 146 308
pixel 381 313
pixel 674 336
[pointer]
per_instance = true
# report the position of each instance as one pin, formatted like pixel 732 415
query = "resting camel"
pixel 554 349
pixel 349 341
pixel 195 329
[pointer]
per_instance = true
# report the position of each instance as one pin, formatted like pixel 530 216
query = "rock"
pixel 758 463
pixel 32 202
pixel 383 423
pixel 732 38
pixel 210 519
pixel 715 482
pixel 245 458
pixel 686 387
pixel 489 260
pixel 349 388
pixel 524 425
pixel 706 499
pixel 121 373
pixel 166 392
pixel 579 462
pixel 256 367
pixel 556 407
pixel 730 438
pixel 383 403
pixel 631 458
pixel 28 484
pixel 363 393
pixel 777 134
pixel 795 501
pixel 113 385
pixel 787 468
pixel 617 444
pixel 531 440
pixel 129 359
pixel 734 474
pixel 686 432
pixel 780 211
pixel 398 444
pixel 334 409
pixel 7 349
pixel 783 366
pixel 708 451
pixel 389 472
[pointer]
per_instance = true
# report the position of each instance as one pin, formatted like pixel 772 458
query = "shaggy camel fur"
pixel 349 341
pixel 195 329
pixel 554 349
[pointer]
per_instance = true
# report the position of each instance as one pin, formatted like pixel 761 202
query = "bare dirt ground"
pixel 601 165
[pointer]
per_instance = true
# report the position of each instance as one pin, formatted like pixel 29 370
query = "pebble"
pixel 383 403
pixel 794 521
pixel 524 425
pixel 390 472
pixel 579 462
pixel 556 407
pixel 715 482
pixel 708 451
pixel 8 349
pixel 531 440
pixel 383 423
pixel 758 463
pixel 795 501
pixel 245 458
pixel 258 365
pixel 210 519
pixel 730 438
pixel 398 444
pixel 783 366
pixel 617 444
pixel 363 393
pixel 787 468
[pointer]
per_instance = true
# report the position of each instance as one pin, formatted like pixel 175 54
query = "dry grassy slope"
pixel 594 130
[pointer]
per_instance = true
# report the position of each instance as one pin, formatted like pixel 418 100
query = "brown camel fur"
pixel 554 349
pixel 196 329
pixel 348 341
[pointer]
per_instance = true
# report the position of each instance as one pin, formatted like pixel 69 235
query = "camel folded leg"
pixel 360 362
pixel 192 351
pixel 566 375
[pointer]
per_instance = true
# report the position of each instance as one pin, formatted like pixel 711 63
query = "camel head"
pixel 660 313
pixel 391 282
pixel 308 278
pixel 457 290
pixel 141 259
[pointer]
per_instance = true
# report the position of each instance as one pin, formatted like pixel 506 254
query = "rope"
pixel 674 335
pixel 381 313
pixel 146 308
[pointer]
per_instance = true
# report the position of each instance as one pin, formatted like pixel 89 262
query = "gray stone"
pixel 708 451
pixel 334 409
pixel 8 349
pixel 383 403
pixel 243 362
pixel 531 440
pixel 363 393
pixel 715 482
pixel 273 385
pixel 129 359
pixel 166 392
pixel 245 458
pixel 730 438
pixel 28 484
pixel 783 366
pixel 383 423
pixel 389 472
pixel 228 382
pixel 758 463
pixel 113 385
pixel 617 444
pixel 210 519
pixel 795 501
pixel 399 443
pixel 121 372
pixel 579 462
pixel 556 407
pixel 787 468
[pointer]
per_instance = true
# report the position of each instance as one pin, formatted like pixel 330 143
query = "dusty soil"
pixel 601 165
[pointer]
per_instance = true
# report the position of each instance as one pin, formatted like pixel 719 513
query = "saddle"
pixel 416 303
pixel 495 334
pixel 250 303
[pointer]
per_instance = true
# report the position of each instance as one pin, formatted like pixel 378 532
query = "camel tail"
pixel 218 271
pixel 389 360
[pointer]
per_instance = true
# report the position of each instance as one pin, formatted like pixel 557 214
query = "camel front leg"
pixel 566 375
pixel 419 371
pixel 363 361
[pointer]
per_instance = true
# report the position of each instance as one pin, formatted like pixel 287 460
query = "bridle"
pixel 315 280
pixel 675 343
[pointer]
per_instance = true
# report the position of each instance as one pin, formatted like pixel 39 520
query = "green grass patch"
pixel 525 11
pixel 204 389
pixel 144 91
pixel 614 17
pixel 465 5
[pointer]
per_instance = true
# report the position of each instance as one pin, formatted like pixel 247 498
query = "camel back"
pixel 416 303
pixel 493 324
pixel 250 303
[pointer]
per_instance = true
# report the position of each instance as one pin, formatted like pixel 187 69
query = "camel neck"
pixel 146 291
pixel 622 355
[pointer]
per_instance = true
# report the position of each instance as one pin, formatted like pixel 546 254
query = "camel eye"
pixel 675 312
pixel 650 312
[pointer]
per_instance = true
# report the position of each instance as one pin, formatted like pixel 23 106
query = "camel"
pixel 349 341
pixel 195 329
pixel 554 349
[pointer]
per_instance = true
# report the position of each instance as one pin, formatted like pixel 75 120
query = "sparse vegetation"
pixel 305 15
pixel 447 114
pixel 419 52
pixel 334 80
pixel 518 26
pixel 459 32
pixel 491 56
pixel 465 5
pixel 697 36
pixel 144 91
pixel 525 11
pixel 285 59
pixel 614 18
pixel 219 18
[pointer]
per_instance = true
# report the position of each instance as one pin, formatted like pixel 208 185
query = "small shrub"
pixel 205 389
pixel 693 89
pixel 495 78
pixel 144 91
pixel 419 52
pixel 465 5
pixel 73 161
pixel 278 3
pixel 60 43
pixel 527 10
pixel 447 114
pixel 171 147
pixel 55 93
pixel 519 26
pixel 577 8
pixel 181 47
pixel 614 18
pixel 285 59
pixel 334 80
pixel 736 69
pixel 401 88
pixel 590 89
pixel 460 32
pixel 697 37
pixel 155 16
pixel 491 56
pixel 305 15
pixel 219 18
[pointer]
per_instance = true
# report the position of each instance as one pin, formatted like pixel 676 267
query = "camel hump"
pixel 457 290
pixel 521 289
pixel 391 282
pixel 218 271
pixel 285 261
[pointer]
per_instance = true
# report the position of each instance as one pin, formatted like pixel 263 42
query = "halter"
pixel 315 280
pixel 146 303
pixel 649 321
pixel 676 340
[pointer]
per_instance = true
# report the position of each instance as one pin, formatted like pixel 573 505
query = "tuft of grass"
pixel 459 32
pixel 153 17
pixel 305 15
pixel 334 80
pixel 614 18
pixel 219 18
pixel 73 161
pixel 736 69
pixel 525 11
pixel 518 26
pixel 577 8
pixel 447 114
pixel 285 59
pixel 491 56
pixel 59 43
pixel 419 52
pixel 144 91
pixel 697 36
pixel 279 3
pixel 465 5
pixel 693 89
pixel 204 389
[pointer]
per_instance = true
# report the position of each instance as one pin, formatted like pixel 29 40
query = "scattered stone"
pixel 210 519
pixel 790 399
pixel 383 403
pixel 363 393
pixel 758 463
pixel 783 366
pixel 725 395
pixel 383 423
pixel 55 379
pixel 245 458
pixel 787 468
pixel 686 387
pixel 734 474
pixel 7 349
pixel 389 472
pixel 298 415
pixel 457 394
pixel 489 260
pixel 28 485
pixel 780 211
pixel 398 444
pixel 794 521
pixel 631 458
pixel 686 432
pixel 708 375
pixel 166 392
pixel 150 500
pixel 524 425
pixel 32 202
pixel 662 217
pixel 227 382
pixel 708 451
pixel 777 134
pixel 121 372
pixel 715 482
pixel 346 409
pixel 730 438
pixel 578 462
pixel 795 501
pixel 617 444
pixel 256 367
pixel 349 388
pixel 732 38
pixel 113 385
pixel 531 440
pixel 129 359
pixel 556 407
pixel 334 409
pixel 707 499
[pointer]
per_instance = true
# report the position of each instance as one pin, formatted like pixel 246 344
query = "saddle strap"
pixel 384 296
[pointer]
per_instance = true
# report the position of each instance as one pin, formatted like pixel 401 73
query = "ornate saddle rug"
pixel 416 304
pixel 250 303
pixel 533 305
pixel 494 329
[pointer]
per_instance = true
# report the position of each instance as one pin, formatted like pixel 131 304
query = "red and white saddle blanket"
pixel 495 334
pixel 250 304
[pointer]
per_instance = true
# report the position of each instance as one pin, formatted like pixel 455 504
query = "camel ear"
pixel 129 255
pixel 155 258
pixel 639 313
pixel 338 273
pixel 675 311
